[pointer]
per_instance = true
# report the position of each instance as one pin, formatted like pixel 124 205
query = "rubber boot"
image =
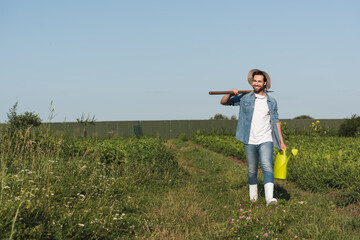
pixel 253 192
pixel 269 192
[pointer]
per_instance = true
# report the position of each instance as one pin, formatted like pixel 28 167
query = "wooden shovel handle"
pixel 227 92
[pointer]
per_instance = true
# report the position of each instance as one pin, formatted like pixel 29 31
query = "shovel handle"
pixel 227 92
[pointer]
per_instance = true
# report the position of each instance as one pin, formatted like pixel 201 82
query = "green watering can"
pixel 280 170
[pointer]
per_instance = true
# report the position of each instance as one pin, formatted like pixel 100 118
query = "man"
pixel 259 129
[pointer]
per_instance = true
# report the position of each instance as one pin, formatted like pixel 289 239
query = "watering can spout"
pixel 294 152
pixel 288 159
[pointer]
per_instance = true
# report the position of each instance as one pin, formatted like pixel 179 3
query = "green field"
pixel 148 188
pixel 324 164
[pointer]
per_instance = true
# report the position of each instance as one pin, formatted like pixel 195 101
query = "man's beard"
pixel 260 90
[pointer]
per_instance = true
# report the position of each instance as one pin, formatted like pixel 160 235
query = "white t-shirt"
pixel 260 130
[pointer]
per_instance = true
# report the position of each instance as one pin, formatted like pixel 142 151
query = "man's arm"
pixel 225 99
pixel 282 144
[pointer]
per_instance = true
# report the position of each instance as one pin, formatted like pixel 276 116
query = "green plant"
pixel 350 127
pixel 128 188
pixel 254 223
pixel 323 163
pixel 183 137
pixel 284 129
pixel 227 145
pixel 85 122
pixel 22 121
pixel 77 188
pixel 351 196
pixel 219 116
pixel 316 130
pixel 303 117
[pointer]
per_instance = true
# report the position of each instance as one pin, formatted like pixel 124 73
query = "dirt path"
pixel 204 205
pixel 285 188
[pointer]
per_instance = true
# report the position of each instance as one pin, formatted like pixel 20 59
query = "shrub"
pixel 22 121
pixel 303 117
pixel 219 116
pixel 85 122
pixel 350 127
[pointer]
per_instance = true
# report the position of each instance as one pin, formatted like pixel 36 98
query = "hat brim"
pixel 250 78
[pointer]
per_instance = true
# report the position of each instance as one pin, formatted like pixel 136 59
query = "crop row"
pixel 323 164
pixel 225 144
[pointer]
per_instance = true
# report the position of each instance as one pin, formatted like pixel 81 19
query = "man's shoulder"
pixel 249 95
pixel 270 98
pixel 242 96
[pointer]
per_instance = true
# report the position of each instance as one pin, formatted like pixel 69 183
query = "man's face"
pixel 258 83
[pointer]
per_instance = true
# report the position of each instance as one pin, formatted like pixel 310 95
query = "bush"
pixel 350 127
pixel 22 121
pixel 219 116
pixel 303 117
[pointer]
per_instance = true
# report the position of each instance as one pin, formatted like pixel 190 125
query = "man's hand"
pixel 235 91
pixel 283 146
pixel 226 98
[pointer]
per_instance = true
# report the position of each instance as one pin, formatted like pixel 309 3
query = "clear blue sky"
pixel 158 59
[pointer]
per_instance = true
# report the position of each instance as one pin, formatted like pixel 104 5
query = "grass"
pixel 198 208
pixel 112 189
pixel 51 192
pixel 211 203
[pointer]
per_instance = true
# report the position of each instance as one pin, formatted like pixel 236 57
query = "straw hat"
pixel 250 77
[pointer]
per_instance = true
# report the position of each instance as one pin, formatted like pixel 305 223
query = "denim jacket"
pixel 247 105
